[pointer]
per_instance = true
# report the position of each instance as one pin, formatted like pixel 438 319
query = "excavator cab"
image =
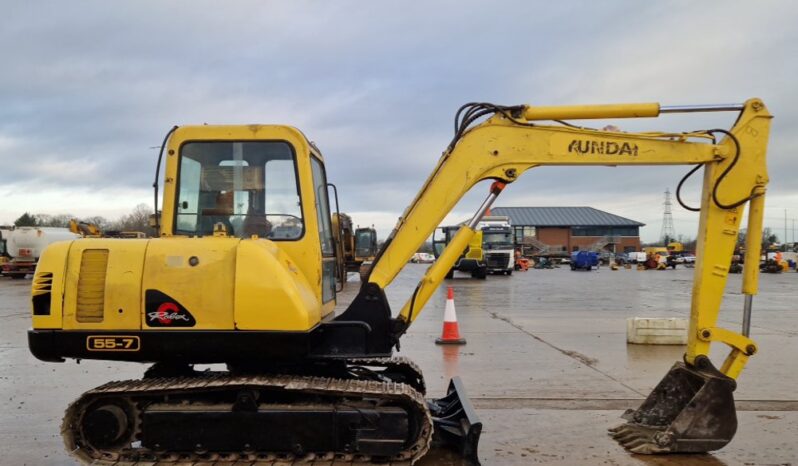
pixel 365 243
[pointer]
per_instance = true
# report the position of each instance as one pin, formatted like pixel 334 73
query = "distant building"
pixel 559 230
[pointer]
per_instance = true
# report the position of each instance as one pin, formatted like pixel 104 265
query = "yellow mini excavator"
pixel 243 273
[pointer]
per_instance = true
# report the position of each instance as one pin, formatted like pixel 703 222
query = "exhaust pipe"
pixel 691 410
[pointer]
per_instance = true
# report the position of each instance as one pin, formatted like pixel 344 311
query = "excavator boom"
pixel 509 143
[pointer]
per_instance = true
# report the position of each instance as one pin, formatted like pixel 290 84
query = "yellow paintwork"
pixel 655 250
pixel 742 348
pixel 206 289
pixel 675 247
pixel 52 261
pixel 583 112
pixel 305 252
pixel 227 288
pixel 474 246
pixel 501 150
pixel 753 246
pixel 437 271
pixel 89 230
pixel 284 302
pixel 245 284
pixel 122 283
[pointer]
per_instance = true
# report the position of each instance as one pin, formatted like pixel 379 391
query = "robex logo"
pixel 164 311
pixel 585 146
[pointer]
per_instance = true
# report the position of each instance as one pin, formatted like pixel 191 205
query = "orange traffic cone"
pixel 451 331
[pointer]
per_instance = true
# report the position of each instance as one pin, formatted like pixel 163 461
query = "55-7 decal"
pixel 113 343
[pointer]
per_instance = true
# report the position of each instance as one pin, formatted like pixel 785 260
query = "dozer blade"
pixel 691 410
pixel 456 424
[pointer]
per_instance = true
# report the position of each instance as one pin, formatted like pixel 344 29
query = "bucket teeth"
pixel 637 439
pixel 647 449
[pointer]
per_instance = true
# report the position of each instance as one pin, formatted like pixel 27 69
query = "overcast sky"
pixel 88 88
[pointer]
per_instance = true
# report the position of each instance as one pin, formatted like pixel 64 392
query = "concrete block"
pixel 656 330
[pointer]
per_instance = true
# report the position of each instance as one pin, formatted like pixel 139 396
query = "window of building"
pixel 604 231
pixel 521 231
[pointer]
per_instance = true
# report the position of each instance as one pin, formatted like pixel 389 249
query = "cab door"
pixel 328 264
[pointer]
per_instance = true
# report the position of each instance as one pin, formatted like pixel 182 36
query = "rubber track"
pixel 395 361
pixel 175 386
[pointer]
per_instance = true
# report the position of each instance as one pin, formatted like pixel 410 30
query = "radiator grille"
pixel 495 260
pixel 41 289
pixel 91 285
pixel 42 282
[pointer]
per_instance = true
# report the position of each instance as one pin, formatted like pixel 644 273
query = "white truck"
pixel 24 245
pixel 497 242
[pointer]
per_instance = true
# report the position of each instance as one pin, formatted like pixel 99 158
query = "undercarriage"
pixel 366 411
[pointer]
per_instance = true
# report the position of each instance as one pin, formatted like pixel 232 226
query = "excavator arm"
pixel 510 142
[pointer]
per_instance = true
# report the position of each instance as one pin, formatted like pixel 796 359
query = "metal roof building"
pixel 563 217
pixel 552 230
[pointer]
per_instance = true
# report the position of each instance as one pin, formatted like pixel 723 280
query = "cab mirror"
pixel 154 220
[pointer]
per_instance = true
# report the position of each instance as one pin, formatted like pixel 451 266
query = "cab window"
pixel 250 188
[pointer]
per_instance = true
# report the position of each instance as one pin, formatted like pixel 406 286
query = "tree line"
pixel 137 220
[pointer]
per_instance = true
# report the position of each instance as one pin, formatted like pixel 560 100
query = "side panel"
pixel 271 292
pixel 53 261
pixel 197 275
pixel 114 285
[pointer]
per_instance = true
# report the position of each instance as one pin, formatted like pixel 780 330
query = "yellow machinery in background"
pixel 472 258
pixel 675 248
pixel 243 273
pixel 91 230
pixel 651 250
pixel 4 257
pixel 355 247
pixel 85 229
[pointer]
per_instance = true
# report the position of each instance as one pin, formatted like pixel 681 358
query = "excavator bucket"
pixel 456 423
pixel 691 410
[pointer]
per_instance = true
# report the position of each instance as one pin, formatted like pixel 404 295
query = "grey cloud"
pixel 96 84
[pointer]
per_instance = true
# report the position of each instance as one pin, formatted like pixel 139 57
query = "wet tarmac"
pixel 546 365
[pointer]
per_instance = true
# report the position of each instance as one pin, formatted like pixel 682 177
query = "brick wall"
pixel 562 237
pixel 554 236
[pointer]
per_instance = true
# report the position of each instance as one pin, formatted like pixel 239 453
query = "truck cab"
pixel 497 242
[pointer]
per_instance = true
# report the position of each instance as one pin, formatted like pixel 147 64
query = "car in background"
pixel 422 258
